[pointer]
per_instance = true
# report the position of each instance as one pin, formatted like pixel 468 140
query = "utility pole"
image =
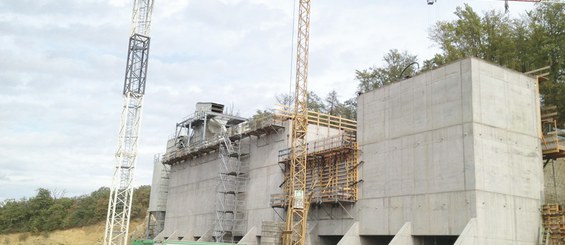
pixel 121 191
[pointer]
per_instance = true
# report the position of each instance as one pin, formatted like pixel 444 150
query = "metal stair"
pixel 230 219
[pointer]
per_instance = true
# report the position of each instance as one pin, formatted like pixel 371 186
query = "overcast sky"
pixel 62 64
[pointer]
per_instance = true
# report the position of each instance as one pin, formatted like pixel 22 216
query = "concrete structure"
pixel 158 201
pixel 457 143
pixel 190 208
pixel 449 156
pixel 193 183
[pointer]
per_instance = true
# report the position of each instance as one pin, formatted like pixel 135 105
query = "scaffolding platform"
pixel 332 175
pixel 553 138
pixel 237 129
pixel 320 119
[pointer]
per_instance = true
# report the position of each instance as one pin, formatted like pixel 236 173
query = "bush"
pixel 44 213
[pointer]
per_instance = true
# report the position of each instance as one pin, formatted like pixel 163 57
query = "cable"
pixel 291 55
pixel 406 68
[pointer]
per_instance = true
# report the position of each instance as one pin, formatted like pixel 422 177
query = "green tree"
pixel 315 103
pixel 547 26
pixel 459 38
pixel 350 109
pixel 261 114
pixel 284 99
pixel 493 37
pixel 14 216
pixel 39 207
pixel 333 105
pixel 88 209
pixel 45 213
pixel 140 201
pixel 397 66
pixel 100 202
pixel 527 43
pixel 58 213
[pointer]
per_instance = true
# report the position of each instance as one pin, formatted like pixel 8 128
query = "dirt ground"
pixel 88 235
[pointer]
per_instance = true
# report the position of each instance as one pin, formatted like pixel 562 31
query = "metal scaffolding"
pixel 553 138
pixel 333 163
pixel 230 191
pixel 212 132
pixel 183 147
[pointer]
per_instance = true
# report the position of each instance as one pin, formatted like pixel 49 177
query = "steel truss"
pixel 121 191
pixel 298 203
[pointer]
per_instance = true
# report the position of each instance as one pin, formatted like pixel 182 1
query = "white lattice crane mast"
pixel 121 191
pixel 298 202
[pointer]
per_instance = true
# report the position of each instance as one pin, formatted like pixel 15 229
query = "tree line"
pixel 528 42
pixel 330 104
pixel 47 211
pixel 531 41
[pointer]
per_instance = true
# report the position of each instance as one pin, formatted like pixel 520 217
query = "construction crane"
pixel 121 191
pixel 298 203
pixel 431 2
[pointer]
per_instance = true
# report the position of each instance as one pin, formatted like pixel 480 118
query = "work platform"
pixel 237 128
pixel 553 138
pixel 332 175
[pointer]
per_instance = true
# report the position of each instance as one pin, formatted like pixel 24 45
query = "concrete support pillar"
pixel 186 235
pixel 403 236
pixel 351 237
pixel 312 237
pixel 207 237
pixel 250 237
pixel 159 237
pixel 469 234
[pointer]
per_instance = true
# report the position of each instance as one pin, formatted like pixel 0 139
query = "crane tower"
pixel 121 191
pixel 298 202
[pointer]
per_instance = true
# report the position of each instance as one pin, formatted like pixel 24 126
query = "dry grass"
pixel 88 235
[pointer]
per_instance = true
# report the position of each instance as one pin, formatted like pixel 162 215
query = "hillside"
pixel 86 235
pixel 47 212
pixel 48 218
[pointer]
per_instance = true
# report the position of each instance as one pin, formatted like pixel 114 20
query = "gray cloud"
pixel 63 64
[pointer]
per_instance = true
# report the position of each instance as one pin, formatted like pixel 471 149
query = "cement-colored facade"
pixel 444 147
pixel 190 209
pixel 453 153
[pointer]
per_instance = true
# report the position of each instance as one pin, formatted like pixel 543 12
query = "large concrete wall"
pixel 192 191
pixel 192 188
pixel 443 147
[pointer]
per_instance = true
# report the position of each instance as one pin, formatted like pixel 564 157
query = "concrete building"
pixel 454 152
pixel 448 156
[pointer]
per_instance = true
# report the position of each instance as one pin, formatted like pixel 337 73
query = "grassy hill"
pixel 86 235
pixel 51 219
